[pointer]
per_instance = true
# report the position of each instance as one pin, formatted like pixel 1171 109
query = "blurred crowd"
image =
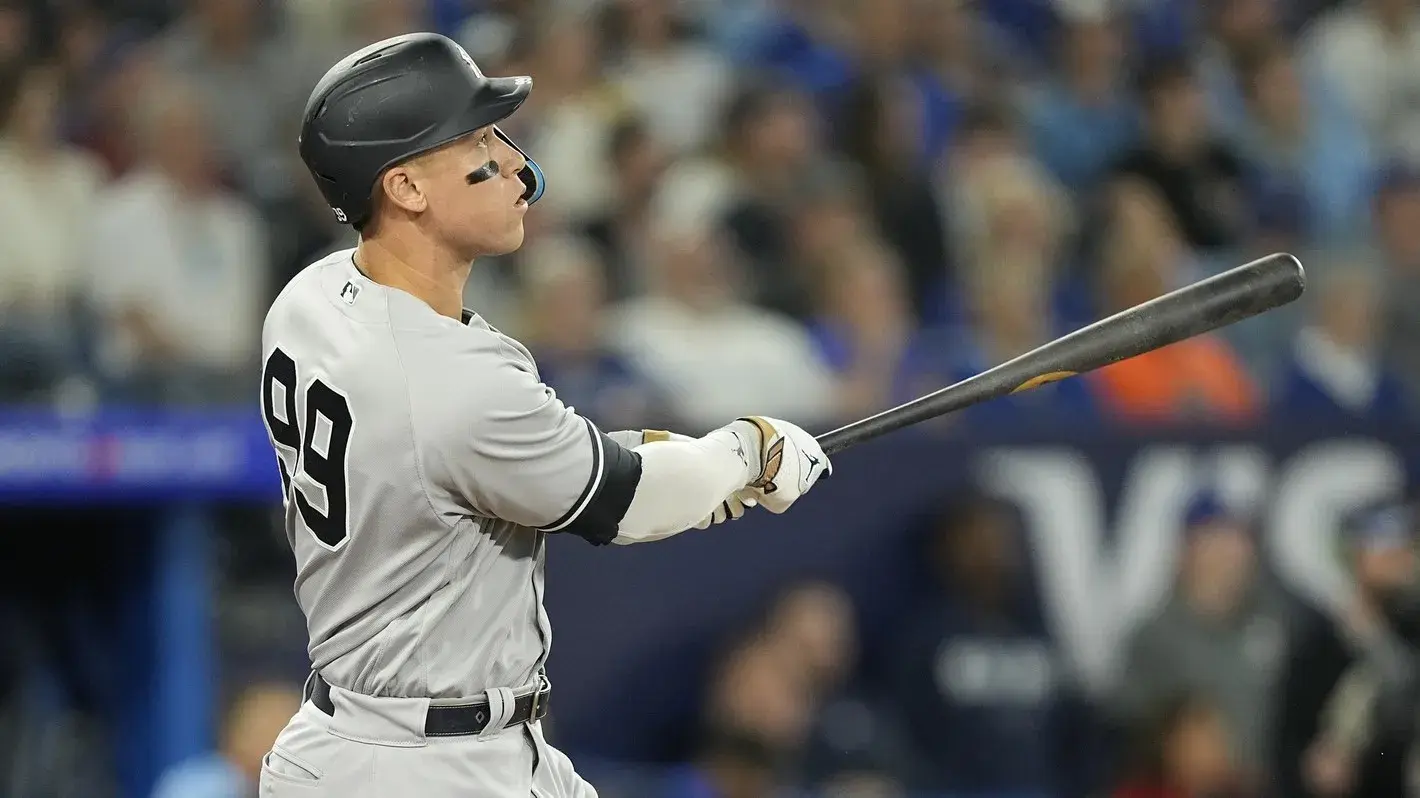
pixel 814 209
pixel 852 201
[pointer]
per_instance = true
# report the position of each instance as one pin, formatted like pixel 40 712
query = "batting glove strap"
pixel 771 453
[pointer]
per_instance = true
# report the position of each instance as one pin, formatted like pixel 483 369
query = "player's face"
pixel 475 195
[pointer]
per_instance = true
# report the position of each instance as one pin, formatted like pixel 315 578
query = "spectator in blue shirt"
pixel 1080 118
pixel 979 684
pixel 1336 370
pixel 1292 138
pixel 1397 225
pixel 864 327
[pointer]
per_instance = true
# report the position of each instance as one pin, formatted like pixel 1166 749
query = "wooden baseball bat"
pixel 1218 301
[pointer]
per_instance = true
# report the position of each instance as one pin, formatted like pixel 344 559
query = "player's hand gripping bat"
pixel 1218 301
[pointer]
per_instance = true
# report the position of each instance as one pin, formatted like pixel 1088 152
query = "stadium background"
pixel 1165 579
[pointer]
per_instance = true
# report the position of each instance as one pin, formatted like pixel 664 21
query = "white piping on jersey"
pixel 599 465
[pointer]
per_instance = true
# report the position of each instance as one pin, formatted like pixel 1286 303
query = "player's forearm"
pixel 683 481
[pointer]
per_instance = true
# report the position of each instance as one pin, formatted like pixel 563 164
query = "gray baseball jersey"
pixel 423 461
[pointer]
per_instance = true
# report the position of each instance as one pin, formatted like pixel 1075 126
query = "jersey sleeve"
pixel 502 444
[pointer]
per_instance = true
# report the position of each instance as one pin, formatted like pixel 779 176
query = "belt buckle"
pixel 542 684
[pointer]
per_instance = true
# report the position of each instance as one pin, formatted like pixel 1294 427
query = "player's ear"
pixel 401 187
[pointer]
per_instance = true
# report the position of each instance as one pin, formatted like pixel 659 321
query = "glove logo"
pixel 808 477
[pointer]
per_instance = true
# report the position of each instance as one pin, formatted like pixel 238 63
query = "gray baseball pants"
pixel 377 747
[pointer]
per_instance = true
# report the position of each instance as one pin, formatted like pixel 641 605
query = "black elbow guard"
pixel 616 471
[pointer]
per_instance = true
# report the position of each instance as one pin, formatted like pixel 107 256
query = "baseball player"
pixel 424 462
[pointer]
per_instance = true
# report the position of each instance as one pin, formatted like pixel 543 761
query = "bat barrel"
pixel 1226 298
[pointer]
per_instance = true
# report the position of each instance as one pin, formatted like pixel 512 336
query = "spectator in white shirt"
pixel 46 195
pixel 713 354
pixel 178 264
pixel 679 85
pixel 1370 51
pixel 223 47
pixel 570 118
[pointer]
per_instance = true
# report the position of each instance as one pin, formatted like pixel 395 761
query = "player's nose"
pixel 512 161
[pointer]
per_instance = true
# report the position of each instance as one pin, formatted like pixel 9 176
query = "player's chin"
pixel 512 237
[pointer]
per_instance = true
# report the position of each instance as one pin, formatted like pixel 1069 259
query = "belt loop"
pixel 308 689
pixel 538 691
pixel 502 703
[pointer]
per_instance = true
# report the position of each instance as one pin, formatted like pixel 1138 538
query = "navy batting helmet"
pixel 393 100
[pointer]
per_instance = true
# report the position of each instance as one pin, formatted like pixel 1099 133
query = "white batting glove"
pixel 731 509
pixel 790 462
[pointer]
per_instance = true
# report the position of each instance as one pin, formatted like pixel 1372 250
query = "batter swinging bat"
pixel 1218 301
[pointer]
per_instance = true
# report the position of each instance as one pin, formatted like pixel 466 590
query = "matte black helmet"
pixel 393 100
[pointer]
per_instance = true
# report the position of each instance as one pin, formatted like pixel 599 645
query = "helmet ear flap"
pixel 531 175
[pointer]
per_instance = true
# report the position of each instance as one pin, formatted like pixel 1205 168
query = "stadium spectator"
pixel 17 32
pixel 882 135
pixel 620 231
pixel 225 49
pixel 564 294
pixel 1082 115
pixel 675 82
pixel 45 208
pixel 1291 138
pixel 249 727
pixel 1009 313
pixel 693 322
pixel 827 216
pixel 1370 51
pixel 1184 751
pixel 1199 378
pixel 957 59
pixel 850 748
pixel 803 43
pixel 977 680
pixel 1231 30
pixel 1196 173
pixel 569 120
pixel 1397 224
pixel 166 244
pixel 1222 633
pixel 987 132
pixel 864 328
pixel 763 698
pixel 124 71
pixel 1312 756
pixel 769 145
pixel 1335 370
pixel 1008 286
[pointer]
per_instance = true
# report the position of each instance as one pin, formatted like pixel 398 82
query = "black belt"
pixel 454 720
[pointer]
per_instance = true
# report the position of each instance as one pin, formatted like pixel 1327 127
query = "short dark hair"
pixel 13 77
pixel 1255 59
pixel 1163 74
pixel 987 117
pixel 630 132
pixel 751 104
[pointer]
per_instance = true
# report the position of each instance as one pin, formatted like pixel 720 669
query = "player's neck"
pixel 434 277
